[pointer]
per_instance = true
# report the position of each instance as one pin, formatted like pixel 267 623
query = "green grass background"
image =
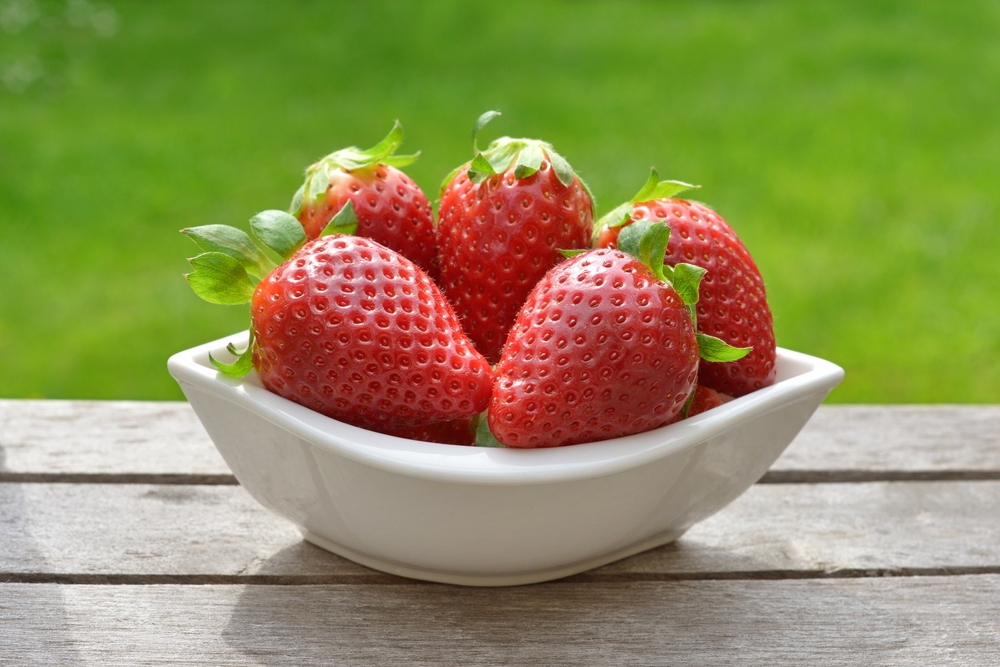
pixel 855 146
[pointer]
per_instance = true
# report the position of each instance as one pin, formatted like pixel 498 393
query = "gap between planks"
pixel 166 479
pixel 377 578
pixel 771 477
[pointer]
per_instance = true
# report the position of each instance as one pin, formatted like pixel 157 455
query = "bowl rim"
pixel 805 377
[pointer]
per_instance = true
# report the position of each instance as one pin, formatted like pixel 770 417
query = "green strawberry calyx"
pixel 484 435
pixel 646 240
pixel 524 156
pixel 232 263
pixel 351 158
pixel 654 188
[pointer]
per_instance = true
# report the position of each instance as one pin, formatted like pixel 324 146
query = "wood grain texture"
pixel 790 574
pixel 894 621
pixel 96 529
pixel 105 437
pixel 108 441
pixel 897 438
pixel 136 533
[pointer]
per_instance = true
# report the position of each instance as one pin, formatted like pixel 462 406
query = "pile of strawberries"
pixel 514 320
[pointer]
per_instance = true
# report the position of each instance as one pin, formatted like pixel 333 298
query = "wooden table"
pixel 875 540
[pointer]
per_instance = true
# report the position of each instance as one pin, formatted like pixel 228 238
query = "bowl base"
pixel 507 579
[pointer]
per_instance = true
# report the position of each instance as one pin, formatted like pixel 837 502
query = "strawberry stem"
pixel 479 125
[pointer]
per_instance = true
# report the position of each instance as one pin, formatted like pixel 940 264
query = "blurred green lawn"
pixel 855 147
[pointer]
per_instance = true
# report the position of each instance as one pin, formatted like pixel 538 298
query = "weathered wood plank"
pixel 880 527
pixel 895 621
pixel 897 438
pixel 105 437
pixel 91 529
pixel 199 532
pixel 57 440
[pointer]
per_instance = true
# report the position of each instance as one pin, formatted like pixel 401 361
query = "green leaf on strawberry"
pixel 480 169
pixel 279 231
pixel 351 158
pixel 639 240
pixel 530 161
pixel 345 222
pixel 484 436
pixel 297 200
pixel 715 349
pixel 317 181
pixel 229 272
pixel 564 172
pixel 233 242
pixel 653 188
pixel 616 217
pixel 652 247
pixel 219 278
pixel 243 363
pixel 686 279
pixel 524 155
pixel 497 159
pixel 448 179
pixel 226 273
pixel 380 152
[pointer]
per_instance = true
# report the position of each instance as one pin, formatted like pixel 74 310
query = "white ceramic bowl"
pixel 493 517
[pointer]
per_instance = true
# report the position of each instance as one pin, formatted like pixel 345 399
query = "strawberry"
pixel 702 400
pixel 386 204
pixel 453 432
pixel 503 218
pixel 344 326
pixel 733 303
pixel 604 347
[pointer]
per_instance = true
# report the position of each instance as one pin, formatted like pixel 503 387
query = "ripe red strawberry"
pixel 604 347
pixel 346 327
pixel 733 304
pixel 503 218
pixel 702 400
pixel 357 332
pixel 453 432
pixel 389 207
